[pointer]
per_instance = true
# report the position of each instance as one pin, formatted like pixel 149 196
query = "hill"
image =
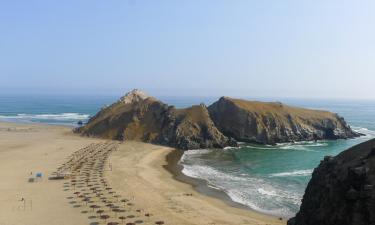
pixel 137 116
pixel 274 122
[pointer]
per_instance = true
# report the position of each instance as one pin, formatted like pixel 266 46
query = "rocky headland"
pixel 274 122
pixel 342 190
pixel 137 116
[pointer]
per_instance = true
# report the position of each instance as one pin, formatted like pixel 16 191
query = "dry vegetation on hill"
pixel 137 116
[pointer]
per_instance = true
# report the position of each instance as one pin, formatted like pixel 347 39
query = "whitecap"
pixel 230 148
pixel 368 133
pixel 253 192
pixel 293 173
pixel 58 117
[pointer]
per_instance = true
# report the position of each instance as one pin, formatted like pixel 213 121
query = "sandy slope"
pixel 137 173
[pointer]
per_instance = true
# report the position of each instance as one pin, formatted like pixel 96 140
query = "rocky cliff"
pixel 137 116
pixel 342 190
pixel 270 123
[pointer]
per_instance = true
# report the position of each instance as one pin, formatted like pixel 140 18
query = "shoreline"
pixel 142 171
pixel 201 185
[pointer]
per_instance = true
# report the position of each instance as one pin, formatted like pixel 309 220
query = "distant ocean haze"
pixel 270 179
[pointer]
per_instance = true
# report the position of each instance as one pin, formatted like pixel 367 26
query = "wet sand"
pixel 137 172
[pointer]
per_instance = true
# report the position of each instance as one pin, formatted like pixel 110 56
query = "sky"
pixel 264 48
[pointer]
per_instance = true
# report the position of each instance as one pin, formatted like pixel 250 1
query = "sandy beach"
pixel 134 171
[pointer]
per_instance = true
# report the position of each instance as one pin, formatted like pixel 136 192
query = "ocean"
pixel 268 179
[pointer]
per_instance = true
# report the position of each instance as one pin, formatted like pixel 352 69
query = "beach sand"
pixel 35 148
pixel 138 172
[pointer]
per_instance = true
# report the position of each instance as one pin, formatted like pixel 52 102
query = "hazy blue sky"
pixel 241 48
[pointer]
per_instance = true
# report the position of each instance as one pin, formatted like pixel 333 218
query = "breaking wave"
pixel 293 173
pixel 63 118
pixel 253 192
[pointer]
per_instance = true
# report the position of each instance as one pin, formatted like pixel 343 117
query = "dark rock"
pixel 341 193
pixel 352 194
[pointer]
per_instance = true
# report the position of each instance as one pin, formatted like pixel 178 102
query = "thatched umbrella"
pixel 83 196
pixel 116 210
pixel 86 200
pixel 74 186
pixel 110 205
pixel 94 207
pixel 100 212
pixel 117 196
pixel 124 201
pixel 122 218
pixel 112 223
pixel 121 210
pixel 104 217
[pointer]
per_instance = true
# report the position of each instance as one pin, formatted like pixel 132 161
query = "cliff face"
pixel 270 123
pixel 342 190
pixel 137 116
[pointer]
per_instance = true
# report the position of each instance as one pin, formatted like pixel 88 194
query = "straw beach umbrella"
pixel 100 212
pixel 94 207
pixel 122 218
pixel 112 223
pixel 104 217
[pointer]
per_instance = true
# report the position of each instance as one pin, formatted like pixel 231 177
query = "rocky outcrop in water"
pixel 270 123
pixel 137 116
pixel 342 190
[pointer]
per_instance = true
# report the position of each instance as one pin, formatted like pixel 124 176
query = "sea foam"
pixel 293 173
pixel 253 192
pixel 67 118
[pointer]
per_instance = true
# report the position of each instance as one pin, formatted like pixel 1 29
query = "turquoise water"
pixel 270 179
